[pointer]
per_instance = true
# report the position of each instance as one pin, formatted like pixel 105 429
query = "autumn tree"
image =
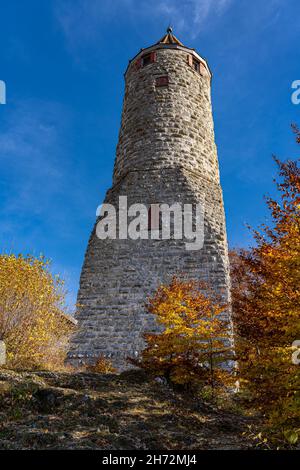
pixel 102 365
pixel 194 344
pixel 33 322
pixel 266 305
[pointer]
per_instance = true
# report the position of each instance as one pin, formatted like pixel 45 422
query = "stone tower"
pixel 166 153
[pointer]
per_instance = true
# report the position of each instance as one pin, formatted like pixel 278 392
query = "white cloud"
pixel 81 20
pixel 39 187
pixel 194 16
pixel 30 143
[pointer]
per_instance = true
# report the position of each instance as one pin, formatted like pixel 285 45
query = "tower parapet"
pixel 167 118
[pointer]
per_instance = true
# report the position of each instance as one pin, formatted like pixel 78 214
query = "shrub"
pixel 33 322
pixel 102 366
pixel 194 345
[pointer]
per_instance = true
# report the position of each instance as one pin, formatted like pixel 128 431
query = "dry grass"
pixel 46 410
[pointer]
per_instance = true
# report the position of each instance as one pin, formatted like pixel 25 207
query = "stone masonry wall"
pixel 166 154
pixel 167 126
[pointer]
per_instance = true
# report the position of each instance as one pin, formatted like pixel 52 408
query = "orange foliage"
pixel 194 344
pixel 266 304
pixel 102 366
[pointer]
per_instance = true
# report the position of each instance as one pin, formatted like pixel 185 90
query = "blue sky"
pixel 63 63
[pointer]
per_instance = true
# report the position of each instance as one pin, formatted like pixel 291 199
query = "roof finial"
pixel 169 38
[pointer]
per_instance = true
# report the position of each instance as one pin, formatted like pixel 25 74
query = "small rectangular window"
pixel 148 58
pixel 138 64
pixel 162 81
pixel 196 65
pixel 154 217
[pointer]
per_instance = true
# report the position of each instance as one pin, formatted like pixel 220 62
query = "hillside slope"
pixel 47 410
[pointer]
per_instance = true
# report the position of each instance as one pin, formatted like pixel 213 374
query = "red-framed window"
pixel 145 60
pixel 162 81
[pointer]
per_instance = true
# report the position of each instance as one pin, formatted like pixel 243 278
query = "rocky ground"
pixel 45 410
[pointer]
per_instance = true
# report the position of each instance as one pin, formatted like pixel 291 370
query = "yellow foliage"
pixel 33 323
pixel 194 344
pixel 102 366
